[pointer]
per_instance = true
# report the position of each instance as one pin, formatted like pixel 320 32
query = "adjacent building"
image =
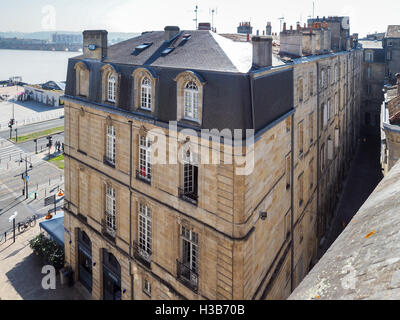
pixel 49 93
pixel 390 127
pixel 372 85
pixel 246 224
pixel 391 44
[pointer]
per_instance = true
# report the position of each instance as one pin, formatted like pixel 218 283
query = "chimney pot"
pixel 170 32
pixel 262 51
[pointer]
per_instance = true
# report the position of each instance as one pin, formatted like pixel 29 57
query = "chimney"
pixel 262 51
pixel 284 26
pixel 170 32
pixel 95 44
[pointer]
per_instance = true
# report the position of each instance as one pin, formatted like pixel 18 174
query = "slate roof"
pixel 364 261
pixel 393 31
pixel 205 51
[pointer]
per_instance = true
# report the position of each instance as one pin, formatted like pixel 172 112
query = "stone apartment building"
pixel 391 44
pixel 390 128
pixel 373 81
pixel 191 229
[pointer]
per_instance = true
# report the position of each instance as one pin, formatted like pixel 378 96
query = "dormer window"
pixel 191 97
pixel 144 84
pixel 190 86
pixel 111 88
pixel 110 84
pixel 146 94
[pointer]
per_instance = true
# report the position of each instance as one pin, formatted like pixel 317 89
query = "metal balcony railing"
pixel 187 276
pixel 190 197
pixel 106 229
pixel 142 175
pixel 143 255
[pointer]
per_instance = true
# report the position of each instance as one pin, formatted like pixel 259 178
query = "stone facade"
pixel 256 235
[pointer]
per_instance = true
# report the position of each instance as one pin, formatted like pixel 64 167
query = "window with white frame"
pixel 368 56
pixel 189 249
pixel 110 209
pixel 144 231
pixel 191 101
pixel 190 176
pixel 111 88
pixel 369 73
pixel 336 104
pixel 147 287
pixel 110 146
pixel 324 115
pixel 145 158
pixel 329 76
pixel 328 109
pixel 322 80
pixel 145 99
pixel 336 73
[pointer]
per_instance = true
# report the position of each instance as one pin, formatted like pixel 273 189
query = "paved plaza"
pixel 21 272
pixel 26 112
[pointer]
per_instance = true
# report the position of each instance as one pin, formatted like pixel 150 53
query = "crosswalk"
pixel 9 152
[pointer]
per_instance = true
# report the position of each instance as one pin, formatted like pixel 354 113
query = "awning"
pixel 55 227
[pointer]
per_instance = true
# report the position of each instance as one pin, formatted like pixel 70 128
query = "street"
pixel 364 175
pixel 43 178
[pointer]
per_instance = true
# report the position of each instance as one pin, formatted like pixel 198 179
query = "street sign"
pixel 50 200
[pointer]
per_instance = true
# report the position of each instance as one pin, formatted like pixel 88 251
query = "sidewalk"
pixel 20 272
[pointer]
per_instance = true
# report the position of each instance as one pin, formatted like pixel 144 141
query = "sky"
pixel 146 15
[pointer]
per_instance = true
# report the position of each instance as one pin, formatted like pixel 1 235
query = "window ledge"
pixel 108 163
pixel 82 152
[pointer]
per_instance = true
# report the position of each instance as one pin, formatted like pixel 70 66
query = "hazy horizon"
pixel 133 16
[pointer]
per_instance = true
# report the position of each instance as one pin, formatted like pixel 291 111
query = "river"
pixel 34 66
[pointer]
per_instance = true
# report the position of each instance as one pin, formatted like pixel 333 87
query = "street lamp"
pixel 25 176
pixel 12 218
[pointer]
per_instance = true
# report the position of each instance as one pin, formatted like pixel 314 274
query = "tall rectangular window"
pixel 311 127
pixel 288 165
pixel 189 249
pixel 300 189
pixel 110 146
pixel 328 107
pixel 144 231
pixel 322 80
pixel 300 90
pixel 311 84
pixel 301 138
pixel 110 209
pixel 311 172
pixel 144 158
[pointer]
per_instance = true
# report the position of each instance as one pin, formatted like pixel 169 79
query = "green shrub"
pixel 49 249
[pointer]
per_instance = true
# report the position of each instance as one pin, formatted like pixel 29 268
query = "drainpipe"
pixel 130 203
pixel 292 203
pixel 318 158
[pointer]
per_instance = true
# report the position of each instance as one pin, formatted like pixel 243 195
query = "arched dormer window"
pixel 190 96
pixel 111 88
pixel 144 89
pixel 110 80
pixel 146 94
pixel 191 101
pixel 82 79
